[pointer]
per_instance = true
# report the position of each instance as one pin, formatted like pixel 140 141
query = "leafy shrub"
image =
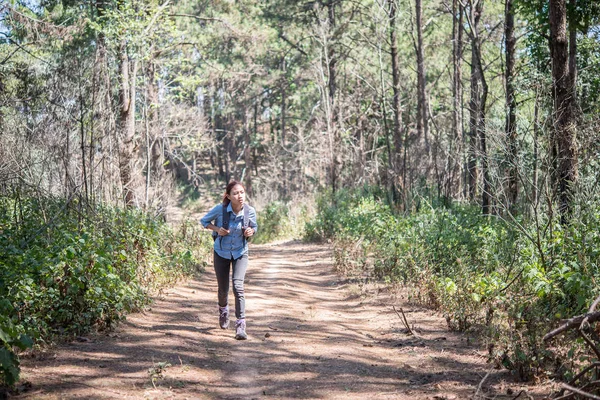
pixel 64 269
pixel 512 281
pixel 278 221
pixel 273 222
pixel 11 336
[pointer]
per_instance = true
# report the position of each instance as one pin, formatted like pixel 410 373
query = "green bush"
pixel 279 221
pixel 273 223
pixel 64 269
pixel 512 281
pixel 11 336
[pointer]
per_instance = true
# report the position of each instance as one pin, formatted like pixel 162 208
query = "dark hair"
pixel 228 190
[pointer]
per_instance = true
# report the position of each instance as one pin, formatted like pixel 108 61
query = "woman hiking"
pixel 232 223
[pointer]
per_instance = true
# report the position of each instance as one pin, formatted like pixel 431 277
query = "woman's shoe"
pixel 240 329
pixel 224 317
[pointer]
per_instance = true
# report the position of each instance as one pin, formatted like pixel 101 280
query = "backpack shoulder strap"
pixel 246 215
pixel 225 217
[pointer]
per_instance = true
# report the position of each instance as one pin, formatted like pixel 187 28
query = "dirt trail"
pixel 311 336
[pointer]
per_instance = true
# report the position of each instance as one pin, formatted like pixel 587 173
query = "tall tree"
pixel 473 17
pixel 457 115
pixel 397 133
pixel 511 103
pixel 127 92
pixel 565 128
pixel 479 93
pixel 422 104
pixel 332 58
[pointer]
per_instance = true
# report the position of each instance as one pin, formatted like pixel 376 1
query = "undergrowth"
pixel 65 268
pixel 510 280
pixel 282 220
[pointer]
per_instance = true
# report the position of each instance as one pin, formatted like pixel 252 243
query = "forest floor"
pixel 312 335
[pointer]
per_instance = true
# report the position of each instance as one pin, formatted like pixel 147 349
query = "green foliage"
pixel 480 272
pixel 582 17
pixel 278 221
pixel 273 222
pixel 11 336
pixel 189 197
pixel 63 272
pixel 157 370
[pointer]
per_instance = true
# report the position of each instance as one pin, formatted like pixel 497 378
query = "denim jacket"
pixel 234 245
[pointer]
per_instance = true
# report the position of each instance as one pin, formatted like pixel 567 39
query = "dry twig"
pixel 404 320
pixel 524 392
pixel 481 382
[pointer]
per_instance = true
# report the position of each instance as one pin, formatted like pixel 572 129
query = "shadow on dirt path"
pixel 311 336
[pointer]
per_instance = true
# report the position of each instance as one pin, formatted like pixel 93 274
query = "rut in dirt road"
pixel 311 336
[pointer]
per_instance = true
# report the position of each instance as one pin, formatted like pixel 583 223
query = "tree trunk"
pixel 229 143
pixel 422 106
pixel 565 128
pixel 128 72
pixel 391 170
pixel 486 194
pixel 474 104
pixel 154 121
pixel 456 93
pixel 536 129
pixel 397 133
pixel 573 53
pixel 107 180
pixel 284 180
pixel 218 135
pixel 511 103
pixel 82 124
pixel 479 92
pixel 248 154
pixel 283 100
pixel 332 86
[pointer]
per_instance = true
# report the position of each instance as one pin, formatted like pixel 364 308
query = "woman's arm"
pixel 213 215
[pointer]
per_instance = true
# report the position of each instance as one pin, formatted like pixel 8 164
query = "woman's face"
pixel 237 196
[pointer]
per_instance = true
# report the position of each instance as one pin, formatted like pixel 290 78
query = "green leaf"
pixel 23 342
pixel 4 336
pixel 9 364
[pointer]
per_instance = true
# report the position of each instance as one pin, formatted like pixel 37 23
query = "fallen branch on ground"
pixel 579 392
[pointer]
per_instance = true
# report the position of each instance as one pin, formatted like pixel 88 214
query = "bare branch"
pixel 155 17
pixel 580 392
pixel 208 19
pixel 294 45
pixel 572 323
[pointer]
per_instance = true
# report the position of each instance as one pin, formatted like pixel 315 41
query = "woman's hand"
pixel 223 232
pixel 248 232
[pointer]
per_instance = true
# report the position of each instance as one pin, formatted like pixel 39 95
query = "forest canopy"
pixel 469 100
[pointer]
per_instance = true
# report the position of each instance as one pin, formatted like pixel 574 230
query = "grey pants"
pixel 222 267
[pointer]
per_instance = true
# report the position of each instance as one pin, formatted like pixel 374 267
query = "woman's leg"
pixel 239 273
pixel 222 266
